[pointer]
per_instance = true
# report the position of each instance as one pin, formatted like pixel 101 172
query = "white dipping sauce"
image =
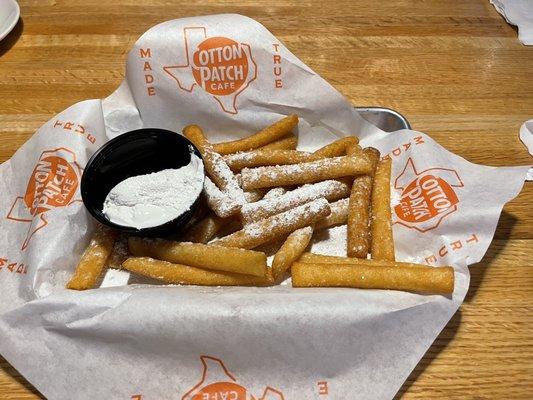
pixel 149 200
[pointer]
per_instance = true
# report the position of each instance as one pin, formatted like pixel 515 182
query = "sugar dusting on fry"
pixel 276 226
pixel 307 172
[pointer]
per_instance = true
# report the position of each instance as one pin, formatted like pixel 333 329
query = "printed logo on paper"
pixel 218 65
pixel 52 184
pixel 217 383
pixel 427 197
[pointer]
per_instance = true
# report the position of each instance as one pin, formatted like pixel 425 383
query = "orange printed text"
pixel 459 244
pixel 276 58
pixel 146 55
pixel 75 129
pixel 11 266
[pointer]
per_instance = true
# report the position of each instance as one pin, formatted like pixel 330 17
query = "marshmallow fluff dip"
pixel 149 200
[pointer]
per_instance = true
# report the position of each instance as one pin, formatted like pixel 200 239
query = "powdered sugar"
pixel 303 232
pixel 272 171
pixel 274 192
pixel 269 229
pixel 314 171
pixel 339 215
pixel 288 217
pixel 218 201
pixel 242 156
pixel 226 177
pixel 260 157
pixel 330 189
pixel 148 200
pixel 254 195
pixel 253 230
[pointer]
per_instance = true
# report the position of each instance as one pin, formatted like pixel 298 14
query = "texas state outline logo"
pixel 427 197
pixel 53 183
pixel 218 65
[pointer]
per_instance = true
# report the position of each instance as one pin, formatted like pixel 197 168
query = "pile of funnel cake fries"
pixel 261 190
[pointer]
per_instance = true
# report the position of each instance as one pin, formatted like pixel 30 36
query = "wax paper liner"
pixel 230 75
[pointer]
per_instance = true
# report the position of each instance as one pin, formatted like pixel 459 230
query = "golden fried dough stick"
pixel 222 205
pixel 308 172
pixel 330 190
pixel 382 244
pixel 200 255
pixel 358 230
pixel 268 135
pixel 285 143
pixel 214 164
pixel 438 280
pixel 353 150
pixel 259 158
pixel 255 195
pixel 337 148
pixel 338 216
pixel 93 260
pixel 313 258
pixel 290 251
pixel 186 275
pixel 274 192
pixel 119 253
pixel 204 230
pixel 276 226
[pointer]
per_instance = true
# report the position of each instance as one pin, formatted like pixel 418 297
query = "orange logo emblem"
pixel 217 383
pixel 219 65
pixel 427 197
pixel 53 183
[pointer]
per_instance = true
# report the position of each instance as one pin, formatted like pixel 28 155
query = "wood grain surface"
pixel 455 69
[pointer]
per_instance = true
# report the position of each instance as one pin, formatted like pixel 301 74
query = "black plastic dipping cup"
pixel 138 152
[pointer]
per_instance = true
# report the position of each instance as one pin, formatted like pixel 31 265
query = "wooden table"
pixel 455 69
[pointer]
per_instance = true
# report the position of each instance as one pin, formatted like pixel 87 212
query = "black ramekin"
pixel 138 152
